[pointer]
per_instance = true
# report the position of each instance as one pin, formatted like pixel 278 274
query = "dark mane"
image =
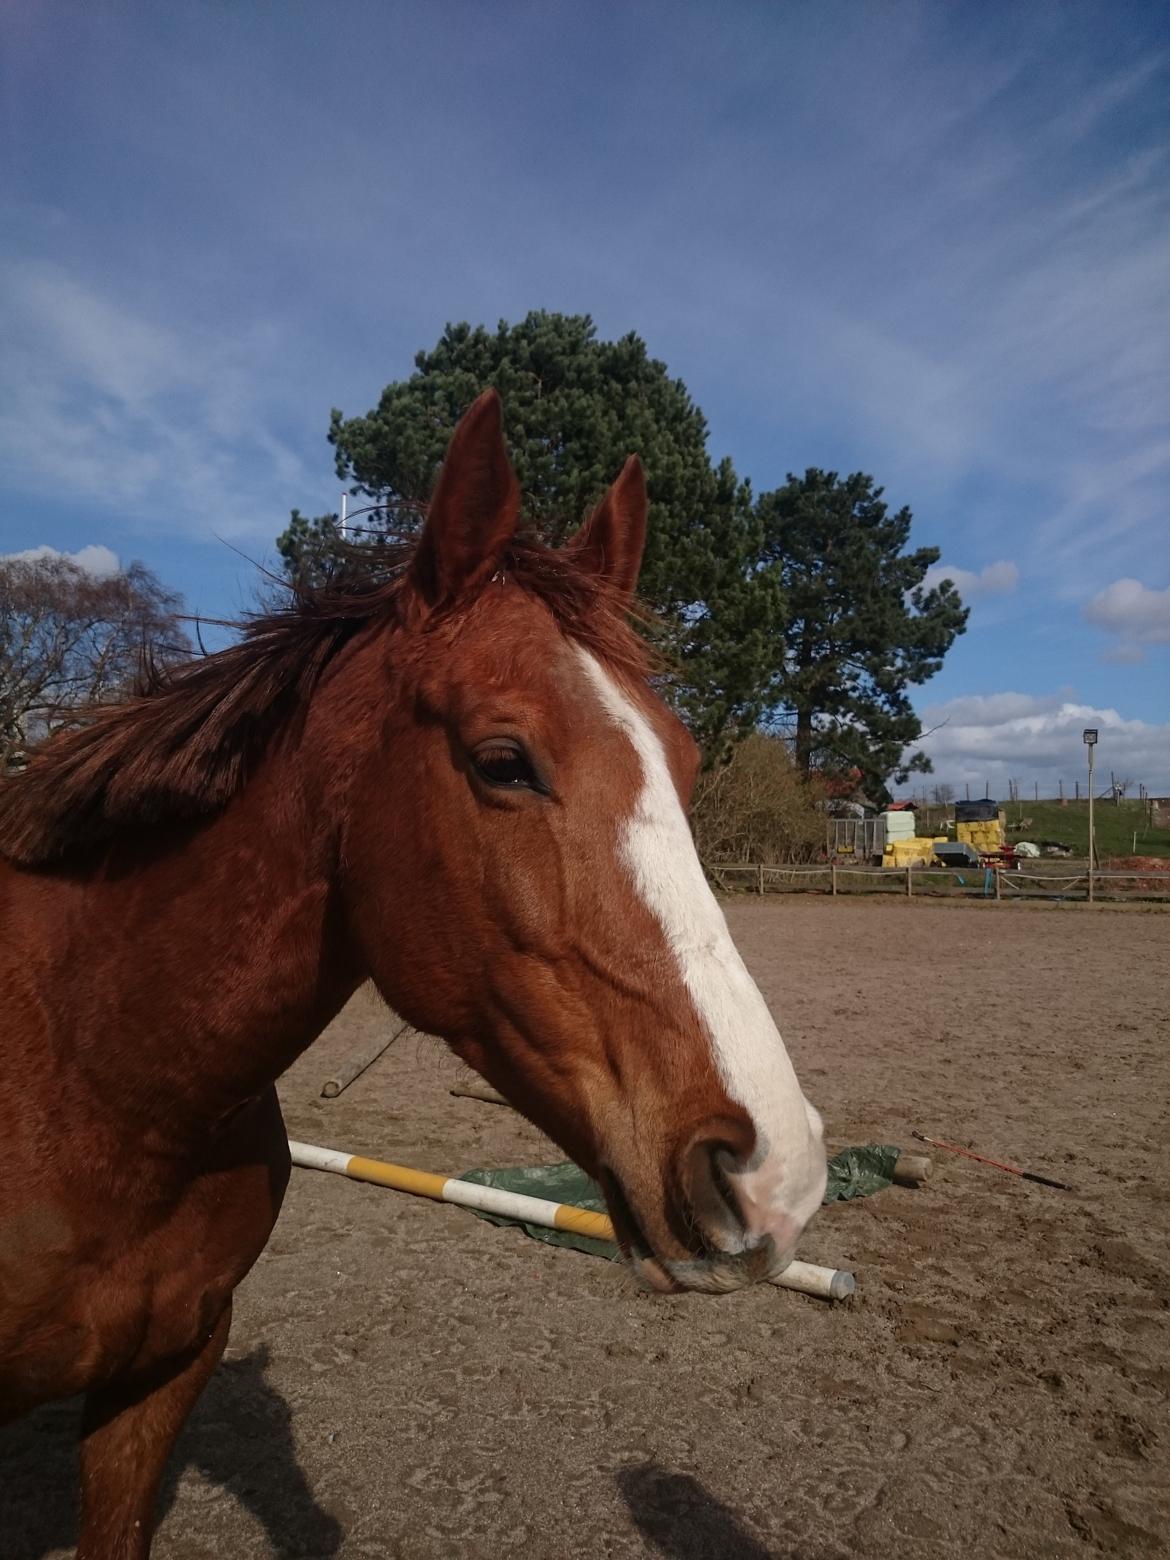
pixel 186 743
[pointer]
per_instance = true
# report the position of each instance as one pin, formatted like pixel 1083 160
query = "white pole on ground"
pixel 805 1277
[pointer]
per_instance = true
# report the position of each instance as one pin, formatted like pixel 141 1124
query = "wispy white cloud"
pixel 997 579
pixel 100 561
pixel 166 425
pixel 1007 330
pixel 993 738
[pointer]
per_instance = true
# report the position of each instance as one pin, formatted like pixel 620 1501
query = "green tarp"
pixel 859 1172
pixel 854 1172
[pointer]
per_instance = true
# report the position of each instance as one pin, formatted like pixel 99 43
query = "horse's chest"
pixel 120 1318
pixel 85 1300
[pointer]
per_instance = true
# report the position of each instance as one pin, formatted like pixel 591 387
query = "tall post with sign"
pixel 1089 737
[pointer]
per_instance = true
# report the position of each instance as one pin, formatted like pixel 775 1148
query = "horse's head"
pixel 521 880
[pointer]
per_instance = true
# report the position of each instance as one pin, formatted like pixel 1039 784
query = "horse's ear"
pixel 611 542
pixel 472 515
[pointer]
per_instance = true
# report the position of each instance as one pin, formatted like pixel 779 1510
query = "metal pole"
pixel 1092 837
pixel 344 512
pixel 909 885
pixel 833 872
pixel 998 884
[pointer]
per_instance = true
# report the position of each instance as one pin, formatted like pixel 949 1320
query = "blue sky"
pixel 928 241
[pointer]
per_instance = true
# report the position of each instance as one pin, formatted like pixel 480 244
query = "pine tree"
pixel 574 408
pixel 861 628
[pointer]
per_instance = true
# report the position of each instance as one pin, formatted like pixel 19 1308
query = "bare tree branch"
pixel 69 640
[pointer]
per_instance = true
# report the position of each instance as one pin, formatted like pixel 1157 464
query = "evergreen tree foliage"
pixel 862 628
pixel 574 408
pixel 804 606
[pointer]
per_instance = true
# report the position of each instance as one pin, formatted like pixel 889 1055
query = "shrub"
pixel 757 808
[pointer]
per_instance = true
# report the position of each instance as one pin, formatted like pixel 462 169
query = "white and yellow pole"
pixel 423 1183
pixel 806 1277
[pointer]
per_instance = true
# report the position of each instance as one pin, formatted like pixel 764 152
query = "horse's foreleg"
pixel 126 1437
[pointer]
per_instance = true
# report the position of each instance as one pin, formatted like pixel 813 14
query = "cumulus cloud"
pixel 97 560
pixel 993 738
pixel 997 579
pixel 1136 615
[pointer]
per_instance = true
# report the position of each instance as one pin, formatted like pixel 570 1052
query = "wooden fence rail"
pixel 995 883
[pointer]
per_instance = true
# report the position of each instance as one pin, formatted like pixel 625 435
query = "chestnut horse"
pixel 453 779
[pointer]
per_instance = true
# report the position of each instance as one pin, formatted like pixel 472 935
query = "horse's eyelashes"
pixel 506 764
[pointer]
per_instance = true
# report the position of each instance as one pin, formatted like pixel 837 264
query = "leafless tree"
pixel 944 795
pixel 69 638
pixel 757 807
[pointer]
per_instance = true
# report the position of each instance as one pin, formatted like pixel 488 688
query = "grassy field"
pixel 1116 826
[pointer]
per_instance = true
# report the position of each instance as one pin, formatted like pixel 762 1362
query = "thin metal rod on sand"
pixel 997 1164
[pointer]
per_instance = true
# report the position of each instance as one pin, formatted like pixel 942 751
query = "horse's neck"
pixel 185 982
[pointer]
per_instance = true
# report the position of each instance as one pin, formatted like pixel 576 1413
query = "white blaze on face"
pixel 786 1181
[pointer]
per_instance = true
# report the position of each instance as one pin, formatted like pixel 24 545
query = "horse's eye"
pixel 506 764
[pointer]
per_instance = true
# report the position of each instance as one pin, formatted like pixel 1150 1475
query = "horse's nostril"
pixel 715 1209
pixel 720 1158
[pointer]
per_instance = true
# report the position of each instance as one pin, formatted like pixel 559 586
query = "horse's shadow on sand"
pixel 681 1520
pixel 239 1437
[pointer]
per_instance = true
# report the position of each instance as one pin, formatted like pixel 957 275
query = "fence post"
pixel 833 875
pixel 998 883
pixel 760 877
pixel 1090 881
pixel 909 885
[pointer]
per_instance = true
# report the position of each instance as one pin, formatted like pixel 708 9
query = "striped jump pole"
pixel 805 1277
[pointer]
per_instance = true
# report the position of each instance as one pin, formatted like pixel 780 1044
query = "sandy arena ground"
pixel 406 1381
